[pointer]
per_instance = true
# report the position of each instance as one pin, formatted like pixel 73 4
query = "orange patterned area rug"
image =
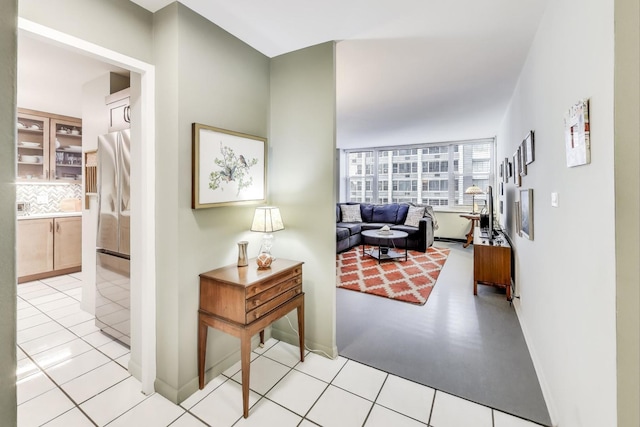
pixel 409 281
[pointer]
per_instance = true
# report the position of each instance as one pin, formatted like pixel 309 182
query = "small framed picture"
pixel 522 161
pixel 501 171
pixel 529 152
pixel 516 168
pixel 526 213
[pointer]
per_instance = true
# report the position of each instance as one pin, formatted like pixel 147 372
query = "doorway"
pixel 143 232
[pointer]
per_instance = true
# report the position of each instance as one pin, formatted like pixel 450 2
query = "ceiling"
pixel 408 71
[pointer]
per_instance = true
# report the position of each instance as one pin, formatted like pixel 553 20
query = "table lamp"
pixel 473 190
pixel 266 220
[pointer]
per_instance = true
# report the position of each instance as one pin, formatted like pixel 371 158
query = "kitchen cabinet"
pixel 119 110
pixel 48 247
pixel 49 147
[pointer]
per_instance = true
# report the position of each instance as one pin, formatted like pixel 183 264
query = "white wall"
pixel 8 88
pixel 566 275
pixel 302 166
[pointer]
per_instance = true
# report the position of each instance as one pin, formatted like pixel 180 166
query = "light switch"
pixel 554 200
pixel 42 198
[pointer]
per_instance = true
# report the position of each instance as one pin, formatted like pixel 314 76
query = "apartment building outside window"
pixel 433 174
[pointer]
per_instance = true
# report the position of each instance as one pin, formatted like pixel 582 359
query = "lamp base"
pixel 264 260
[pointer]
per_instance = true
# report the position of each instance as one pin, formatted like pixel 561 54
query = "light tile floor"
pixel 70 374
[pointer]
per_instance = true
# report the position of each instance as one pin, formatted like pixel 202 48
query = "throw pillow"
pixel 350 213
pixel 414 216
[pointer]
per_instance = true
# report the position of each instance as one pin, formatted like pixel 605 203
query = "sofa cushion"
pixel 403 210
pixel 366 211
pixel 351 213
pixel 342 233
pixel 385 213
pixel 428 211
pixel 352 227
pixel 414 216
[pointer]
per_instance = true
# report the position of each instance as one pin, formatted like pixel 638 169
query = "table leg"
pixel 202 349
pixel 245 357
pixel 475 287
pixel 301 328
pixel 470 234
pixel 262 338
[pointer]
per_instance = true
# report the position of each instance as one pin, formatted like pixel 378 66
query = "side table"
pixel 473 219
pixel 243 301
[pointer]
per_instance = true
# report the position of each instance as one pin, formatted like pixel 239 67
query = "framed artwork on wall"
pixel 577 135
pixel 529 152
pixel 228 168
pixel 516 168
pixel 516 206
pixel 522 160
pixel 526 213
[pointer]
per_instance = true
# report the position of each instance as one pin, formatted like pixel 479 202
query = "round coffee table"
pixel 386 247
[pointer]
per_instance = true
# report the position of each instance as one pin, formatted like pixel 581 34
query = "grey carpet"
pixel 469 346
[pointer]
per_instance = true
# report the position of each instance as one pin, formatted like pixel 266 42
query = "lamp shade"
pixel 267 219
pixel 474 189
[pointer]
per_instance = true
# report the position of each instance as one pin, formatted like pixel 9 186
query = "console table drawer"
pixel 273 281
pixel 272 304
pixel 272 292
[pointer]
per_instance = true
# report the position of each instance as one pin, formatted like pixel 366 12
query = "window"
pixel 434 174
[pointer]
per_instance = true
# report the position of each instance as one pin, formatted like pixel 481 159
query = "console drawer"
pixel 272 292
pixel 273 303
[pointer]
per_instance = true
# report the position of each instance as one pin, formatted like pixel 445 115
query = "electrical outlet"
pixel 42 198
pixel 554 200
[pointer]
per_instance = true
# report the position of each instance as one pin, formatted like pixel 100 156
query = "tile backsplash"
pixel 46 198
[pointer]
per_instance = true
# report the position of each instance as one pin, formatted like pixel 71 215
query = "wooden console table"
pixel 491 262
pixel 473 219
pixel 243 301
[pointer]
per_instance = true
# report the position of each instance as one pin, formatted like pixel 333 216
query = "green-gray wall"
pixel 207 76
pixel 119 25
pixel 301 171
pixel 8 88
pixel 627 208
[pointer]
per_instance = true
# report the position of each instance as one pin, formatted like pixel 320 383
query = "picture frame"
pixel 516 210
pixel 522 161
pixel 507 175
pixel 529 152
pixel 577 134
pixel 517 180
pixel 228 168
pixel 526 213
pixel 501 173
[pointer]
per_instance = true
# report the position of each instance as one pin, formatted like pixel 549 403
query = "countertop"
pixel 49 215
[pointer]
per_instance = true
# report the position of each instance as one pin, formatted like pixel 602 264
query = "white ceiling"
pixel 50 78
pixel 408 71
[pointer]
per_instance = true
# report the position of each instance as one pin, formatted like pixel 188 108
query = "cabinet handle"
pixel 127 114
pixel 58 227
pixel 50 226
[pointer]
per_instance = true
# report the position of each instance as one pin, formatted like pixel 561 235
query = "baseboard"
pixel 177 396
pixel 544 386
pixel 290 336
pixel 449 239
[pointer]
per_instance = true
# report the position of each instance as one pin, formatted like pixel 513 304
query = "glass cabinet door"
pixel 32 148
pixel 66 157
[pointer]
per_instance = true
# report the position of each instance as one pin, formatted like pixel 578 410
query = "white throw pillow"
pixel 350 213
pixel 414 216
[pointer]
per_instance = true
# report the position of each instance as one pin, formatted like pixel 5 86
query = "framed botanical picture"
pixel 529 153
pixel 228 168
pixel 577 135
pixel 526 213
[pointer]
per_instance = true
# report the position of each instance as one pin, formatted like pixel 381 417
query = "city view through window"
pixel 431 174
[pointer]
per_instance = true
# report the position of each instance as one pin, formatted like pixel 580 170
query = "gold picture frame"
pixel 228 168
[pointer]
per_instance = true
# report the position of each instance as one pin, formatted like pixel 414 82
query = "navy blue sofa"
pixel 373 217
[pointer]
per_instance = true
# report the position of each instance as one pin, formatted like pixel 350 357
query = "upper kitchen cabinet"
pixel 119 110
pixel 49 147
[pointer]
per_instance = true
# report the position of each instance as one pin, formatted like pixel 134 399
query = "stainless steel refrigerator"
pixel 113 240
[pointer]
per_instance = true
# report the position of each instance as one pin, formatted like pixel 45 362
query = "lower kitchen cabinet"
pixel 48 247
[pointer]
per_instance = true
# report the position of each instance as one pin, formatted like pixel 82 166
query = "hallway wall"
pixel 565 276
pixel 8 120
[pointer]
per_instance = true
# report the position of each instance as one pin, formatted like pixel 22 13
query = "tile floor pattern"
pixel 70 374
